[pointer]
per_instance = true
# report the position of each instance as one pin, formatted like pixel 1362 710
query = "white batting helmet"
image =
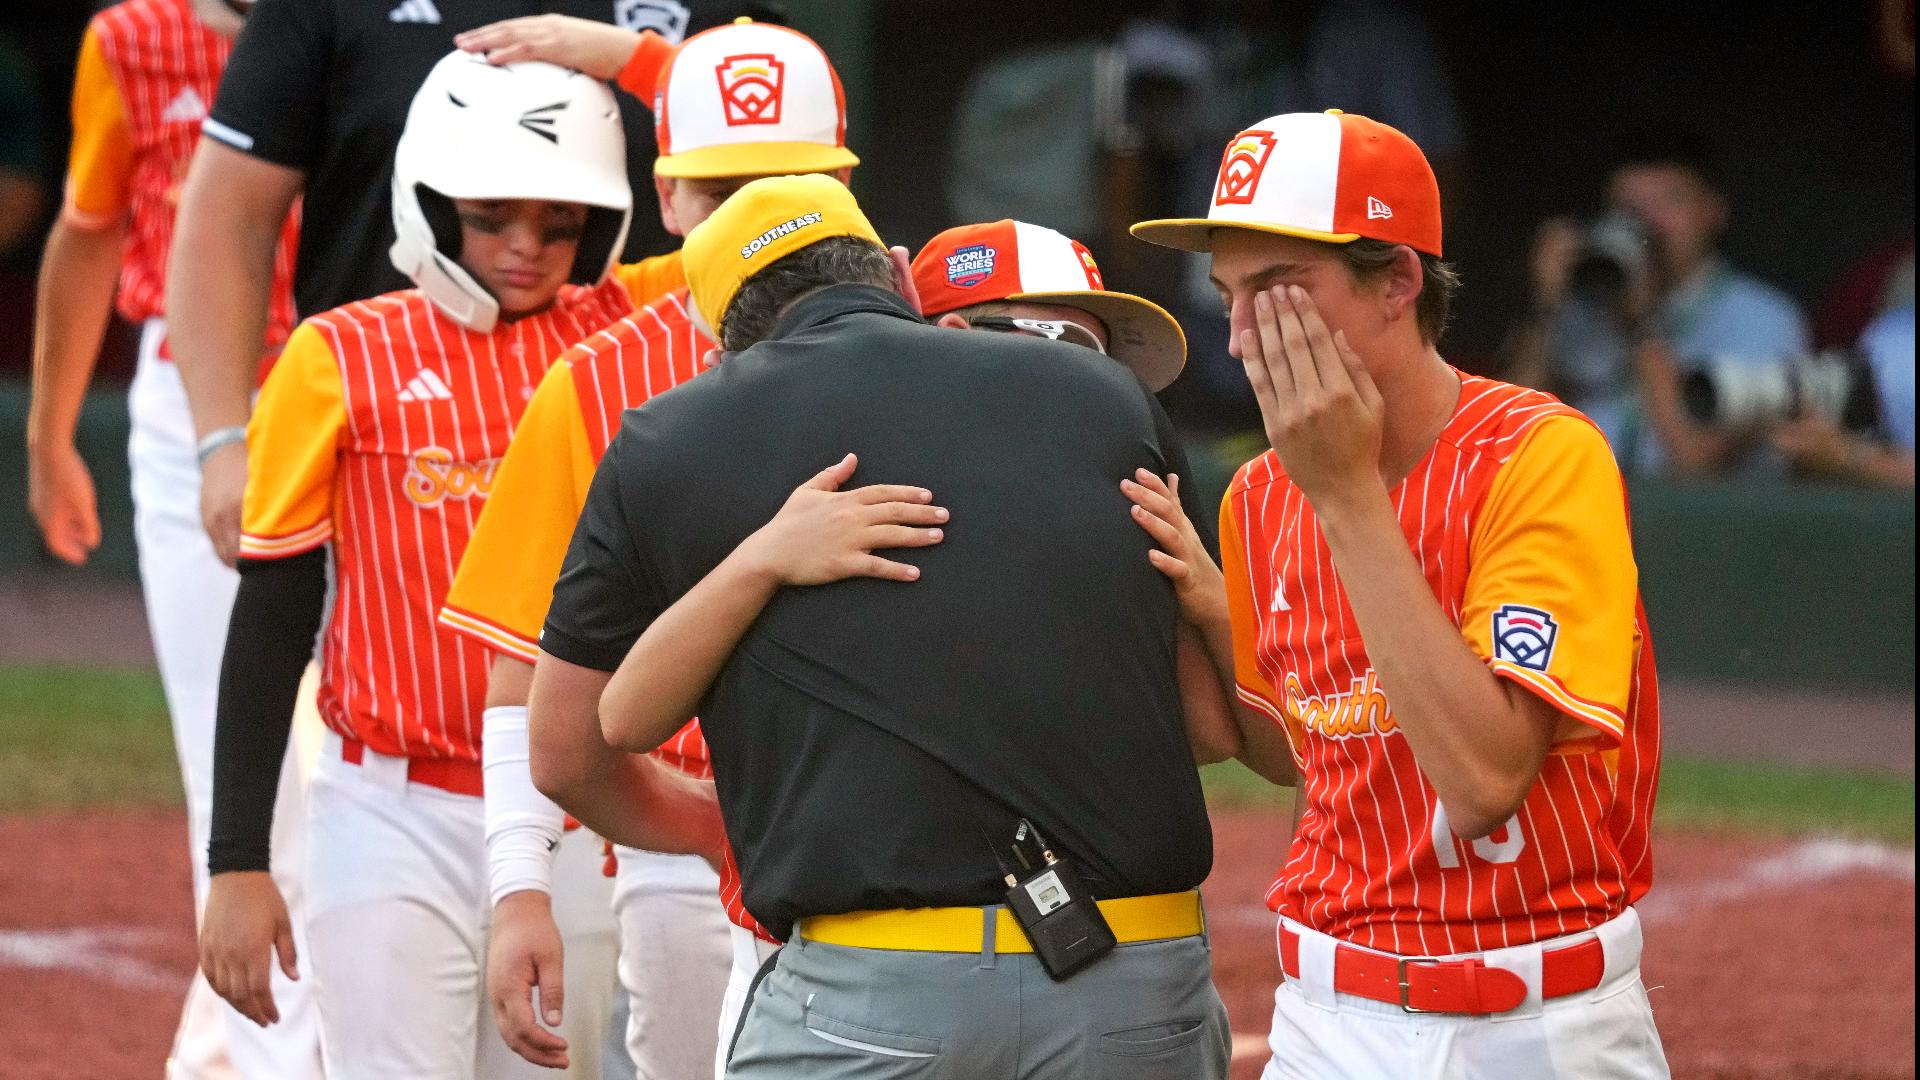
pixel 515 131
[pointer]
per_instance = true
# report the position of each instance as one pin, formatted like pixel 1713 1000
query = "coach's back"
pixel 871 738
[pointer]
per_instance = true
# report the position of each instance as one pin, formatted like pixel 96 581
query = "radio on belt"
pixel 1053 907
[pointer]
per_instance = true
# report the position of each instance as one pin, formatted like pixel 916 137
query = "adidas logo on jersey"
pixel 186 107
pixel 1279 603
pixel 415 11
pixel 426 386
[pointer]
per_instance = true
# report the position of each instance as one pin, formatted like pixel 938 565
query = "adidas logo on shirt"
pixel 415 11
pixel 427 385
pixel 185 107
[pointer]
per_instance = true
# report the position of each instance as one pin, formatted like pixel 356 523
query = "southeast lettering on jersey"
pixel 785 228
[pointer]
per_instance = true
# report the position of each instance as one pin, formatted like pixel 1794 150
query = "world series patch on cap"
pixel 748 99
pixel 1012 260
pixel 1333 176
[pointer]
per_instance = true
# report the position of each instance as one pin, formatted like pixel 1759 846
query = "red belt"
pixel 1467 986
pixel 447 774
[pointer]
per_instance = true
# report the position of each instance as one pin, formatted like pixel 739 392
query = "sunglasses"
pixel 1052 329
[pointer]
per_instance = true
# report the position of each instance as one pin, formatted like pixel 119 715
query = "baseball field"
pixel 1780 931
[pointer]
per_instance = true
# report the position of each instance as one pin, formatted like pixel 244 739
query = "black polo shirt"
pixel 870 738
pixel 324 85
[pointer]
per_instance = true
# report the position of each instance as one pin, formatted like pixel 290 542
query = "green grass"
pixel 1697 793
pixel 74 737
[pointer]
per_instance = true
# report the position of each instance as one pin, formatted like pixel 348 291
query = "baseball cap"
pixel 1333 176
pixel 760 224
pixel 1012 260
pixel 749 99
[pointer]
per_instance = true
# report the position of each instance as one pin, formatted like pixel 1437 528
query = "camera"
pixel 1616 251
pixel 1834 384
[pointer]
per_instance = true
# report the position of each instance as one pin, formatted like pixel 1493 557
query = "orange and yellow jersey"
pixel 650 280
pixel 500 594
pixel 146 76
pixel 379 431
pixel 1518 518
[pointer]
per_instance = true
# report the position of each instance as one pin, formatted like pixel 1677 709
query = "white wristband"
pixel 217 441
pixel 523 826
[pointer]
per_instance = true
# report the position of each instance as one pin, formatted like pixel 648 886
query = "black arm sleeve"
pixel 269 640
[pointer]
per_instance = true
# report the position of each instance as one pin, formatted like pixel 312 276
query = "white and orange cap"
pixel 750 99
pixel 1333 176
pixel 1012 260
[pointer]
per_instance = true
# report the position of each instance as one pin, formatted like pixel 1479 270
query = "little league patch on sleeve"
pixel 1524 636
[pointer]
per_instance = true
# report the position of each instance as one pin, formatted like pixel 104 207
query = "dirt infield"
pixel 1769 959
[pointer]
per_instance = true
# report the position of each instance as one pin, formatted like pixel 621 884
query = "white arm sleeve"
pixel 523 826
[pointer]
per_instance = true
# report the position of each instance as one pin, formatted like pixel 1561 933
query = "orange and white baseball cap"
pixel 749 99
pixel 1012 260
pixel 1333 176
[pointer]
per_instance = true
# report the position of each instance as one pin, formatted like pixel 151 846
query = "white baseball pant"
pixel 397 917
pixel 189 595
pixel 675 955
pixel 750 954
pixel 1606 1033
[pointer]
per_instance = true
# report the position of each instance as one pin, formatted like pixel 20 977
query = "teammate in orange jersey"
pixel 146 73
pixel 719 125
pixel 378 433
pixel 1429 590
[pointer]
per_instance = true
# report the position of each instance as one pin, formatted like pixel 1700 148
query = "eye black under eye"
pixel 483 223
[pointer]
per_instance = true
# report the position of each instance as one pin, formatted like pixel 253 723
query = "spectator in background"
pixel 1626 307
pixel 21 193
pixel 1820 449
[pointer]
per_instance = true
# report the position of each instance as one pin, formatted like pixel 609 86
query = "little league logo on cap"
pixel 969 266
pixel 748 99
pixel 750 88
pixel 1241 166
pixel 1012 260
pixel 1333 177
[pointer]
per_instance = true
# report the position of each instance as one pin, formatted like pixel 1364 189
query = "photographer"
pixel 1819 448
pixel 1627 307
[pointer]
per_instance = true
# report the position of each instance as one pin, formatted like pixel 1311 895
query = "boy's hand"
pixel 524 953
pixel 596 48
pixel 1322 413
pixel 824 534
pixel 1181 556
pixel 60 493
pixel 245 924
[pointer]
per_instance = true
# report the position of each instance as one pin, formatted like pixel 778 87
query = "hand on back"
pixel 824 534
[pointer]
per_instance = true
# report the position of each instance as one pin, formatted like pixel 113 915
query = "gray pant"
pixel 1146 1012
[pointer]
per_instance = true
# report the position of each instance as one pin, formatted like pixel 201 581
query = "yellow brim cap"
pixel 1196 234
pixel 754 159
pixel 759 225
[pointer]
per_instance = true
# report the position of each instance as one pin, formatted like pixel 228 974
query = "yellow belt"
pixel 959 929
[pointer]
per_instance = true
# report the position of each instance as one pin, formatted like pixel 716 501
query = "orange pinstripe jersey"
pixel 1518 518
pixel 146 76
pixel 380 430
pixel 651 279
pixel 500 594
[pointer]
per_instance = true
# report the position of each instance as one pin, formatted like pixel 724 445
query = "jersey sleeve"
pixel 650 279
pixel 274 93
pixel 500 592
pixel 1250 684
pixel 100 159
pixel 1552 588
pixel 293 449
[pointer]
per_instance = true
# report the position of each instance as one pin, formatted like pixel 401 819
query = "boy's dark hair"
pixel 837 260
pixel 1368 259
pixel 1671 147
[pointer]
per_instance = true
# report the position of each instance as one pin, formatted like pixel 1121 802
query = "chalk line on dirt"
pixel 95 951
pixel 1808 862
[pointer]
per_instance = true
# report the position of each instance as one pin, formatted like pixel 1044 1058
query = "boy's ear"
pixel 903 277
pixel 1404 281
pixel 663 190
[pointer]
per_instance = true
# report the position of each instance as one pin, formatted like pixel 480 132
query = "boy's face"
pixel 1246 262
pixel 685 202
pixel 521 250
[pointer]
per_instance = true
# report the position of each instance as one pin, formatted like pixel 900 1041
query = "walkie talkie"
pixel 1054 909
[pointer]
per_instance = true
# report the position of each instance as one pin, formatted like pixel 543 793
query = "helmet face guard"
pixel 515 131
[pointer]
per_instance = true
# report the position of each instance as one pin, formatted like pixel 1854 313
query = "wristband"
pixel 523 826
pixel 640 76
pixel 217 441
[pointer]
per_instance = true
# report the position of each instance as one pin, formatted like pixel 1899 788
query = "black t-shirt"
pixel 324 85
pixel 869 738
